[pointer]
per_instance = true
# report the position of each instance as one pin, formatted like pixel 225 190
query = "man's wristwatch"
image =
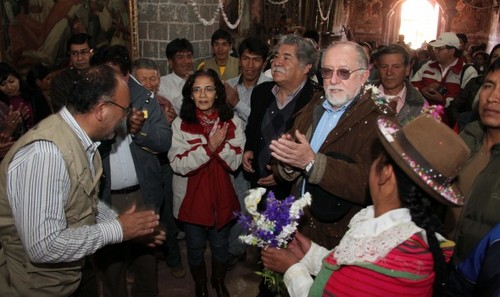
pixel 309 167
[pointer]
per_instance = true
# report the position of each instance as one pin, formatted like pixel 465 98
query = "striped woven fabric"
pixel 406 271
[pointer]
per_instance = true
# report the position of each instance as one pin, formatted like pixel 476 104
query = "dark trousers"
pixel 88 284
pixel 171 246
pixel 114 260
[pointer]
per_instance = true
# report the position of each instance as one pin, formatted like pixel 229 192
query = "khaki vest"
pixel 18 275
pixel 232 67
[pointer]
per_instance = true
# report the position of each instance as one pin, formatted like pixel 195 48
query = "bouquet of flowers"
pixel 274 226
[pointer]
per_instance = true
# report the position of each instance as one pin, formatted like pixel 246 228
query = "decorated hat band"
pixel 420 165
pixel 429 152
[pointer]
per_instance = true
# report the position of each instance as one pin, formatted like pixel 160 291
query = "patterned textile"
pixel 406 271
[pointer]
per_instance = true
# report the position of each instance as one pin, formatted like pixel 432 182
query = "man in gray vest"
pixel 50 216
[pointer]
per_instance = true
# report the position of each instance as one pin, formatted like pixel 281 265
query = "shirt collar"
pixel 401 94
pixel 276 90
pixel 261 79
pixel 177 78
pixel 447 68
pixel 89 145
pixel 328 107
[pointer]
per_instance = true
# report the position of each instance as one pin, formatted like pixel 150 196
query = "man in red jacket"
pixel 441 81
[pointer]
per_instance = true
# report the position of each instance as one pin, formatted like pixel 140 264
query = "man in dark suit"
pixel 273 105
pixel 132 176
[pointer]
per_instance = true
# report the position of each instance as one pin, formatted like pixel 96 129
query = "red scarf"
pixel 207 121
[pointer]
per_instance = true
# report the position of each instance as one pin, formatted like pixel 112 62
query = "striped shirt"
pixel 38 187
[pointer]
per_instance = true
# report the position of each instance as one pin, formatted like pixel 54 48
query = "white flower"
pixel 299 204
pixel 249 239
pixel 287 231
pixel 373 88
pixel 253 199
pixel 264 224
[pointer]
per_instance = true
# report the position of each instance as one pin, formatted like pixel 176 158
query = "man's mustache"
pixel 279 69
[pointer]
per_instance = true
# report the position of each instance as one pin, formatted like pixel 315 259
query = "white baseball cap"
pixel 446 39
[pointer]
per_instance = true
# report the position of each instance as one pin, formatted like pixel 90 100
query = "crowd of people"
pixel 106 160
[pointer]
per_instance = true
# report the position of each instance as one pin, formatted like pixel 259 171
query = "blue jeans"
pixel 196 241
pixel 170 246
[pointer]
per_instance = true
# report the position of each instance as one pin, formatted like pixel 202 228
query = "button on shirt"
pixel 326 124
pixel 123 173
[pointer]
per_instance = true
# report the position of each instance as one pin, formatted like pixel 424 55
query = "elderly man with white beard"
pixel 328 150
pixel 273 105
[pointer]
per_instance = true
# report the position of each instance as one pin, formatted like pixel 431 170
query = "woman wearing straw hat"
pixel 393 247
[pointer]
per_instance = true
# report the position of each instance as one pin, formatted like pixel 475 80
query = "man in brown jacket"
pixel 328 150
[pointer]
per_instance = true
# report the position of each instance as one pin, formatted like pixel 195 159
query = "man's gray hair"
pixel 143 63
pixel 306 52
pixel 361 57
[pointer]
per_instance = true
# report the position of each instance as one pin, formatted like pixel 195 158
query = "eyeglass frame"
pixel 339 75
pixel 127 110
pixel 199 90
pixel 83 52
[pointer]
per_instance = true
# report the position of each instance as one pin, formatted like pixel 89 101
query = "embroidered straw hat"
pixel 429 152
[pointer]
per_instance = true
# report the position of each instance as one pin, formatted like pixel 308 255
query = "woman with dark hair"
pixel 480 60
pixel 13 94
pixel 207 146
pixel 392 248
pixel 38 80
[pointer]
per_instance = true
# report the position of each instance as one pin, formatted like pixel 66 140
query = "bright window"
pixel 418 22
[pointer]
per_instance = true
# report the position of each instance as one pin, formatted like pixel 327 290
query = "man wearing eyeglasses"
pixel 328 150
pixel 441 81
pixel 132 176
pixel 80 52
pixel 50 216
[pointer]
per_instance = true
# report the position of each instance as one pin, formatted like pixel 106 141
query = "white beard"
pixel 336 102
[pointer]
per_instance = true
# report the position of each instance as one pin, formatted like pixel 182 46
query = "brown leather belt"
pixel 126 190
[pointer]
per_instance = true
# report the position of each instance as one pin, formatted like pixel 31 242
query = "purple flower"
pixel 276 224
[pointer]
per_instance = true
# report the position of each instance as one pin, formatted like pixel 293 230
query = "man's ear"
pixel 99 111
pixel 307 69
pixel 407 70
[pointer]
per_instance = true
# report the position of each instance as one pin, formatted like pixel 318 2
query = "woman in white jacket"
pixel 207 147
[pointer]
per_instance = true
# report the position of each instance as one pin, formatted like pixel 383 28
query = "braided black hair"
pixel 420 205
